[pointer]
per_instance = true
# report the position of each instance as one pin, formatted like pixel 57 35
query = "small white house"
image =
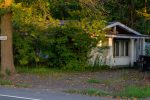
pixel 124 46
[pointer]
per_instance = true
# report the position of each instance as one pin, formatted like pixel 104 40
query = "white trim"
pixel 123 26
pixel 110 44
pixel 121 57
pixel 143 42
pixel 122 48
pixel 126 37
pixel 132 51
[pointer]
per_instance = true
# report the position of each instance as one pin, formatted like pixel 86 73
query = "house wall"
pixel 132 51
pixel 105 56
pixel 136 48
pixel 125 60
pixel 133 54
pixel 121 61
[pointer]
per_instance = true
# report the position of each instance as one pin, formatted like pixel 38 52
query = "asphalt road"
pixel 28 94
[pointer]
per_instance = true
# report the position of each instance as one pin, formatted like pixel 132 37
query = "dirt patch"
pixel 111 81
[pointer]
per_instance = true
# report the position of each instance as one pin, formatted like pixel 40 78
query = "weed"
pixel 96 81
pixel 7 72
pixel 90 91
pixel 5 82
pixel 93 81
pixel 22 85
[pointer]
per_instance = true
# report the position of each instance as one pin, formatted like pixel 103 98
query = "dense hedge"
pixel 61 46
pixel 40 38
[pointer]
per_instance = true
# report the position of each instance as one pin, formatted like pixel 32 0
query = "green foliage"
pixel 76 9
pixel 29 22
pixel 126 11
pixel 67 45
pixel 131 92
pixel 2 11
pixel 62 46
pixel 23 49
pixel 39 39
pixel 31 18
pixel 62 9
pixel 94 92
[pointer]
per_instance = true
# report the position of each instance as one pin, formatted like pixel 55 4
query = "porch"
pixel 125 50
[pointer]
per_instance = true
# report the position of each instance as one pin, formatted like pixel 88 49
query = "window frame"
pixel 121 48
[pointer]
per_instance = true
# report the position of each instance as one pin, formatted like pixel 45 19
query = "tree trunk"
pixel 7 63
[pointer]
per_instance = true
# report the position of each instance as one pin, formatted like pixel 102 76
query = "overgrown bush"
pixel 24 50
pixel 41 39
pixel 61 46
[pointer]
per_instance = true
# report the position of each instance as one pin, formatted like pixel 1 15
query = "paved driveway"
pixel 28 94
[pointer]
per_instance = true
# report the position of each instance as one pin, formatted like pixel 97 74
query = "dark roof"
pixel 130 30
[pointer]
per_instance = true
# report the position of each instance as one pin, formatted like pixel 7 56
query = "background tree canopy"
pixel 127 12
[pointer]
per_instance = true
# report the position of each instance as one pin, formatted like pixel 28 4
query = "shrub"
pixel 61 46
pixel 66 47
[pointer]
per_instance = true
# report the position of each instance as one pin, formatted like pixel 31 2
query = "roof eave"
pixel 123 26
pixel 128 37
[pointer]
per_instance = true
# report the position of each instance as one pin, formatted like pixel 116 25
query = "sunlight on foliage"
pixel 146 15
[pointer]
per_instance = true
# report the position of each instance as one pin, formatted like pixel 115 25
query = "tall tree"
pixel 131 13
pixel 7 63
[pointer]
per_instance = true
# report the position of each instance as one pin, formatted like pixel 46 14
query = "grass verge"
pixel 128 92
pixel 5 82
pixel 93 80
pixel 39 70
pixel 90 92
pixel 135 91
pixel 96 81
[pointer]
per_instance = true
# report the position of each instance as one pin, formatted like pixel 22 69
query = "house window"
pixel 116 48
pixel 126 48
pixel 121 48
